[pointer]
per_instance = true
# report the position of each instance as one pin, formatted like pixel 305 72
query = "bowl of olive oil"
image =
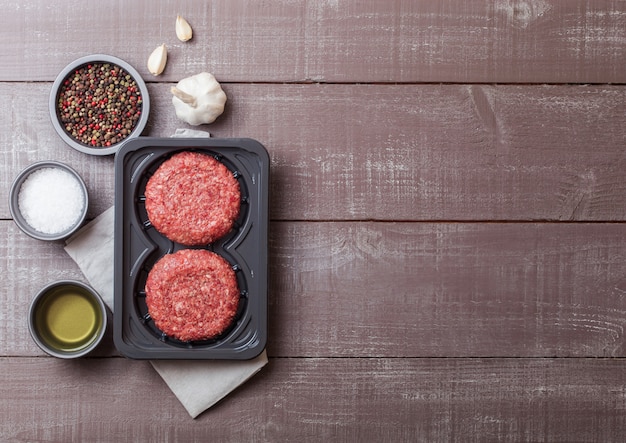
pixel 67 319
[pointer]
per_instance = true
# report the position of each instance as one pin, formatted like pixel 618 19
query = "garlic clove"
pixel 183 29
pixel 157 60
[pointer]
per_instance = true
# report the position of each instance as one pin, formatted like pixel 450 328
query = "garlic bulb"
pixel 198 99
pixel 157 60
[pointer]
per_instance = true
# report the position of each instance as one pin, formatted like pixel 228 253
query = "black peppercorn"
pixel 99 104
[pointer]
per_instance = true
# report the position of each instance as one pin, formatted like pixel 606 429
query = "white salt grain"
pixel 51 200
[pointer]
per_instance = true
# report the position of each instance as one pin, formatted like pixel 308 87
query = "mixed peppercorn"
pixel 99 104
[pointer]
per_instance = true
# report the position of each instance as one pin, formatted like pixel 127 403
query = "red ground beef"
pixel 192 199
pixel 192 294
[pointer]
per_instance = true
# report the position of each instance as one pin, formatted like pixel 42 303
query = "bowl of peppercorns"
pixel 97 102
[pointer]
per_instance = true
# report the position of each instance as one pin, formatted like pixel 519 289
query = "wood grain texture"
pixel 387 152
pixel 540 41
pixel 406 289
pixel 415 290
pixel 416 400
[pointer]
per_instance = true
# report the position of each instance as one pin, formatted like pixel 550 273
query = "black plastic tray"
pixel 138 246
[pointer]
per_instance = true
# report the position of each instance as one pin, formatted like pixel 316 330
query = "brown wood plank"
pixel 405 289
pixel 386 289
pixel 456 400
pixel 575 41
pixel 387 152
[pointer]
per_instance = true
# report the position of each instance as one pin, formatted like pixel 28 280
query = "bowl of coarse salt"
pixel 49 201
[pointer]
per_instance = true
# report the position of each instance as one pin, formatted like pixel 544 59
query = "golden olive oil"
pixel 69 319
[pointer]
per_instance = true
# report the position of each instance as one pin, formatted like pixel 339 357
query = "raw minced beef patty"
pixel 192 294
pixel 192 199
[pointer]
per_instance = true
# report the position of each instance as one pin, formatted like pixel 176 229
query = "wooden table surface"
pixel 448 208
